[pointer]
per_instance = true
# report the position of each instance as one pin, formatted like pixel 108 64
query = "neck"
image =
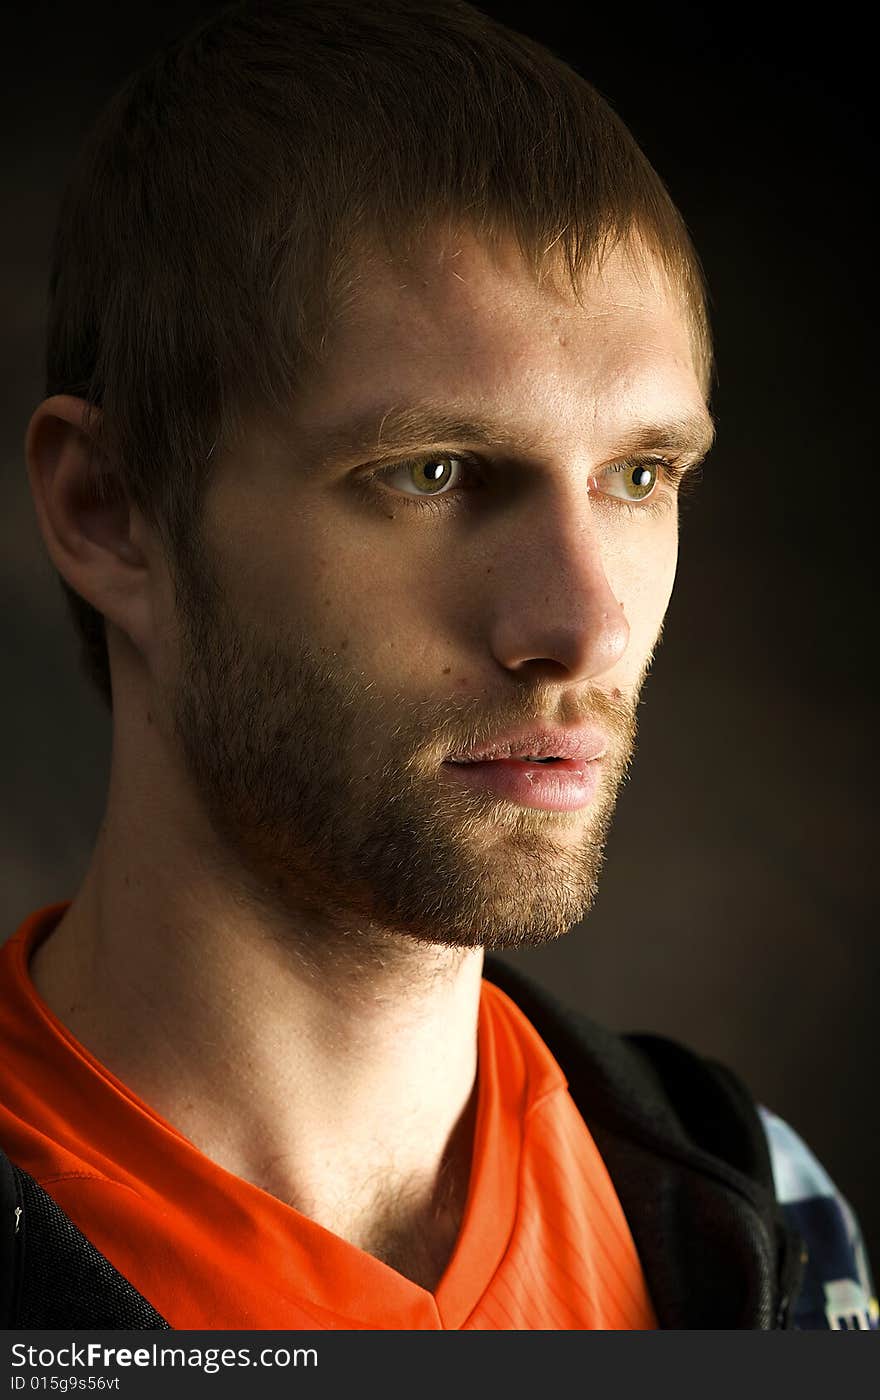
pixel 340 1079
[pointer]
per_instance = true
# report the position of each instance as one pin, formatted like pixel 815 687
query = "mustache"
pixel 459 725
pixel 463 723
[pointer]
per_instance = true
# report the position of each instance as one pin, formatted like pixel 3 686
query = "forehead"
pixel 465 323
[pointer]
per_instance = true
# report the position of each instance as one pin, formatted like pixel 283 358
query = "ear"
pixel 93 535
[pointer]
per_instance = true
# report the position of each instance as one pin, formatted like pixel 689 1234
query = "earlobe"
pixel 82 509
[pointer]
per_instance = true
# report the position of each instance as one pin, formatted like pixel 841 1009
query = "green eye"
pixel 630 481
pixel 430 476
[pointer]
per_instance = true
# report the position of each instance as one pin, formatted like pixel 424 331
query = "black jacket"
pixel 682 1141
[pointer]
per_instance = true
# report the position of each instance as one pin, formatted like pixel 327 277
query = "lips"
pixel 559 784
pixel 527 758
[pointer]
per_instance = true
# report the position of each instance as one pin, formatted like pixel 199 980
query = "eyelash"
pixel 678 479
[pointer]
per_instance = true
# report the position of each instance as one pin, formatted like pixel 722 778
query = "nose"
pixel 556 612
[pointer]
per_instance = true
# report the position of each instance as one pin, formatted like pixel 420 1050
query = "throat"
pixel 418 1249
pixel 411 1225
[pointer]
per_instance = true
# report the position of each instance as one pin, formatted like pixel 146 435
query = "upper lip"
pixel 581 743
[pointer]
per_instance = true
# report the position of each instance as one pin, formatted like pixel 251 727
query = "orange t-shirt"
pixel 543 1243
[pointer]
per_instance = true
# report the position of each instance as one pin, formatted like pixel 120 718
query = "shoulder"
pixel 645 1086
pixel 648 1090
pixel 838 1291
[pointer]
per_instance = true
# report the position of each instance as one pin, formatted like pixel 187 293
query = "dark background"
pixel 737 908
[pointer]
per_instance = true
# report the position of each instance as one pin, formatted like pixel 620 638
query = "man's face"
pixel 342 637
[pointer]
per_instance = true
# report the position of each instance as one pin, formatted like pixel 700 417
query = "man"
pixel 378 357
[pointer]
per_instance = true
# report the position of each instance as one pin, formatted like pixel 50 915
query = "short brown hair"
pixel 207 231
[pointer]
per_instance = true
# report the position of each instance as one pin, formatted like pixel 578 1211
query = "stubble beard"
pixel 324 793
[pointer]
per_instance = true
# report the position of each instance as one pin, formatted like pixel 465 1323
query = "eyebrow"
pixel 690 434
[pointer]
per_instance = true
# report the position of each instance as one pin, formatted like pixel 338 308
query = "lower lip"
pixel 565 786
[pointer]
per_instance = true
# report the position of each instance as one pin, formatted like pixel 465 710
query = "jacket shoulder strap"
pixel 686 1151
pixel 51 1276
pixel 10 1241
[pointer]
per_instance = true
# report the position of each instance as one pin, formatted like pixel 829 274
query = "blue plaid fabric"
pixel 838 1292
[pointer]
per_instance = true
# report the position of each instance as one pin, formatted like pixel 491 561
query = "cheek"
pixel 305 569
pixel 643 579
pixel 353 590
